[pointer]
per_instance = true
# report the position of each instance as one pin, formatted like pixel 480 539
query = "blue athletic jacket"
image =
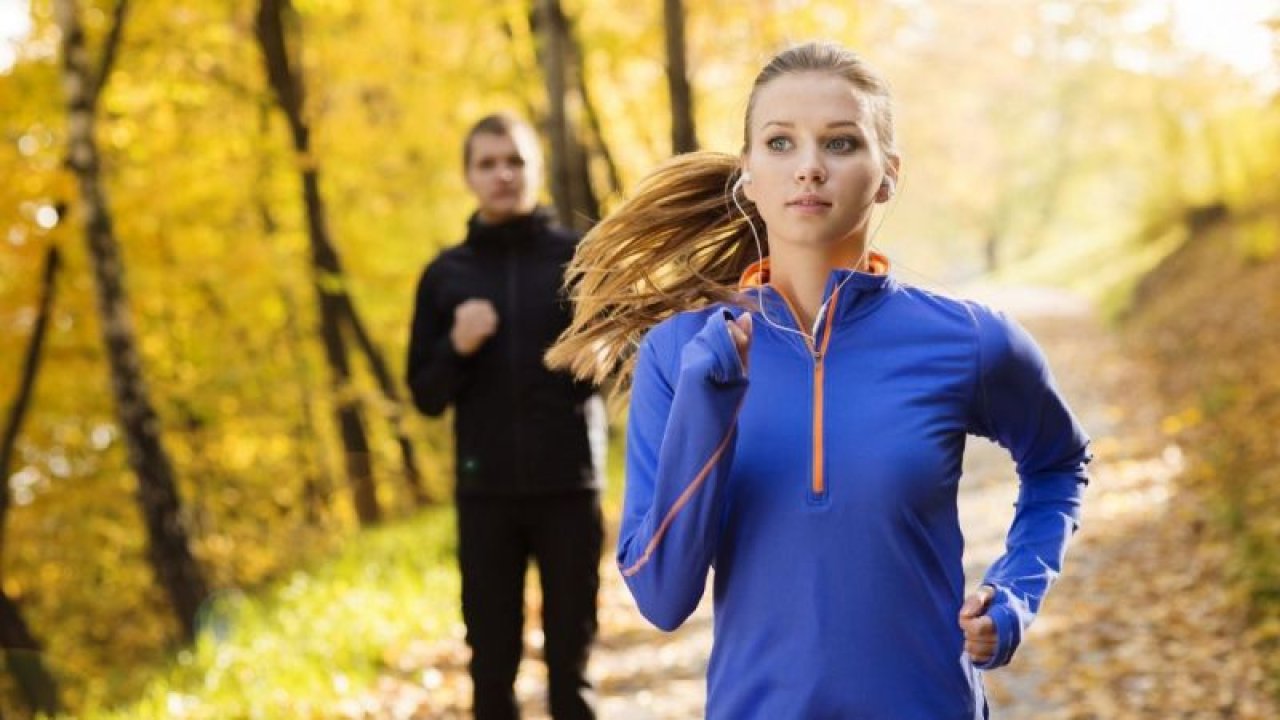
pixel 821 487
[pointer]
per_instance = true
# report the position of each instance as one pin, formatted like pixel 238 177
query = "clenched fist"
pixel 474 321
pixel 979 629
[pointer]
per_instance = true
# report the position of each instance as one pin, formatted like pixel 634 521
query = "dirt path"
pixel 1138 627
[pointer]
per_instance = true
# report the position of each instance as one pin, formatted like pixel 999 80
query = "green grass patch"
pixel 315 637
pixel 299 646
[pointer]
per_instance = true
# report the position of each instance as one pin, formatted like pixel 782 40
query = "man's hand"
pixel 979 628
pixel 474 321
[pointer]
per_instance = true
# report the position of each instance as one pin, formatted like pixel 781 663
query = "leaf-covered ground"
pixel 1143 623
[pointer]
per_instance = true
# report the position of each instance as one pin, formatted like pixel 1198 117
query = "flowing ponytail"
pixel 678 243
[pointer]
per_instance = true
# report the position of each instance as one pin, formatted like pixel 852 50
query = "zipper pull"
pixel 817 328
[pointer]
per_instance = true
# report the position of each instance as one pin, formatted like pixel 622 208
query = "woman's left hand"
pixel 740 331
pixel 979 628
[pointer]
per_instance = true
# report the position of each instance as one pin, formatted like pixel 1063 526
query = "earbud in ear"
pixel 746 176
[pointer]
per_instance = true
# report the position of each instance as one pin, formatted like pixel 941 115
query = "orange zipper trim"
pixel 819 362
pixel 757 274
pixel 680 502
pixel 819 353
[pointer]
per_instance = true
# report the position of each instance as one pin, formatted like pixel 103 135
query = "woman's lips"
pixel 808 204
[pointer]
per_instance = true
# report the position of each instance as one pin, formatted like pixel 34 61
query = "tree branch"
pixel 30 366
pixel 110 49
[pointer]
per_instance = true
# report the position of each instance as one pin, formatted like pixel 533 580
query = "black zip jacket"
pixel 519 428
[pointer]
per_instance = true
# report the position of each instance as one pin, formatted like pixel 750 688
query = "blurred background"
pixel 213 214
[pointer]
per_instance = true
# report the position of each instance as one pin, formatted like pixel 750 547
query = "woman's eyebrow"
pixel 833 124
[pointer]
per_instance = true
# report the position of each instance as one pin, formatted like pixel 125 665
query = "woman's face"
pixel 815 161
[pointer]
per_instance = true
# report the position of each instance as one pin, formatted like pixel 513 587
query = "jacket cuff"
pixel 446 352
pixel 1008 632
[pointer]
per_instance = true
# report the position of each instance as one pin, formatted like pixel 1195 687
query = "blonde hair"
pixel 684 238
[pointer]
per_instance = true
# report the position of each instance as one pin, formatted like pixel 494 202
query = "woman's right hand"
pixel 740 331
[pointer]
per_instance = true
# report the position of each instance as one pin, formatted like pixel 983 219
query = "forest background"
pixel 213 214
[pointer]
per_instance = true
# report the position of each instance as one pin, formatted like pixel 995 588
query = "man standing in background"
pixel 529 442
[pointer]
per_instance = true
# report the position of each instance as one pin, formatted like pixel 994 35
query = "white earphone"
pixel 746 176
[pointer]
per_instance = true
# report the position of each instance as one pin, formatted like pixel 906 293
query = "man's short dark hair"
pixel 502 123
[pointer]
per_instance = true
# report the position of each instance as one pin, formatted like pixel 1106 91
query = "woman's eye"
pixel 778 144
pixel 842 144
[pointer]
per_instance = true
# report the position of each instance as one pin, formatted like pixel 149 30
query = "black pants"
pixel 496 537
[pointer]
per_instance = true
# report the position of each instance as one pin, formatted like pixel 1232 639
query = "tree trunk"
pixel 318 481
pixel 576 203
pixel 551 57
pixel 395 404
pixel 586 206
pixel 327 276
pixel 683 136
pixel 327 273
pixel 593 120
pixel 22 658
pixel 168 547
pixel 598 146
pixel 26 385
pixel 21 649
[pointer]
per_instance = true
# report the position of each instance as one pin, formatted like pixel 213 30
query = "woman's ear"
pixel 889 182
pixel 885 192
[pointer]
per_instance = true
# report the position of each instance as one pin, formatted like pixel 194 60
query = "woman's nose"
pixel 810 170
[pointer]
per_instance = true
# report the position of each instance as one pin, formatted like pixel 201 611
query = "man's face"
pixel 503 175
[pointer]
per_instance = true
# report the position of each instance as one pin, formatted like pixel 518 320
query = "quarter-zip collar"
pixel 859 292
pixel 848 294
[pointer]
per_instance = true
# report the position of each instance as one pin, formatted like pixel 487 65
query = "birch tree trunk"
pixel 168 547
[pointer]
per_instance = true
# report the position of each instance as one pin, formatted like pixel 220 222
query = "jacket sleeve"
pixel 680 440
pixel 1018 405
pixel 434 371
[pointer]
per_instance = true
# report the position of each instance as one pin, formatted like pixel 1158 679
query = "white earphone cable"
pixel 810 337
